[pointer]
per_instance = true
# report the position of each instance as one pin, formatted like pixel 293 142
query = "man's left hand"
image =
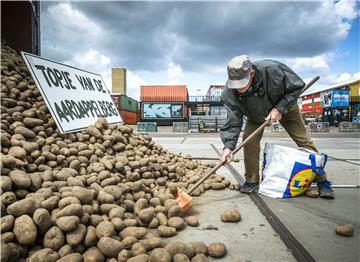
pixel 274 115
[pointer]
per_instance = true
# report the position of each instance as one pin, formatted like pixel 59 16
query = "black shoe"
pixel 325 190
pixel 248 188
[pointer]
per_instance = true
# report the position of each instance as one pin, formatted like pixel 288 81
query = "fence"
pixel 206 123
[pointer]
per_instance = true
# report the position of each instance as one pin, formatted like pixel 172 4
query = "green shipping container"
pixel 128 104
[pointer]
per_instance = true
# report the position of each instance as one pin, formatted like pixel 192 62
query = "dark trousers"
pixel 294 126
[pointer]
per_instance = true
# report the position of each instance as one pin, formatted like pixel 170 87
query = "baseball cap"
pixel 238 72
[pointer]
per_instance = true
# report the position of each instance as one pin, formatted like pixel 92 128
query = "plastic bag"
pixel 288 172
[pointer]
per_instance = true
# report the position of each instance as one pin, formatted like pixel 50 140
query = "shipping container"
pixel 311 104
pixel 129 118
pixel 128 104
pixel 118 77
pixel 162 111
pixel 163 93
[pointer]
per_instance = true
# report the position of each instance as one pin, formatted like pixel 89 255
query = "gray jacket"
pixel 275 85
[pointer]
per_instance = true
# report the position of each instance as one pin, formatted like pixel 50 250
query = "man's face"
pixel 245 88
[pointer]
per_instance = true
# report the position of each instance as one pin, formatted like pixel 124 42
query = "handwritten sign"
pixel 76 98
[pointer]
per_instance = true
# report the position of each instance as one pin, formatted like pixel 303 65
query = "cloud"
pixel 196 35
pixel 93 61
pixel 174 73
pixel 177 40
pixel 133 83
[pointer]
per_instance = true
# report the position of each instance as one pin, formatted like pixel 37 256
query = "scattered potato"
pixel 231 215
pixel 345 230
pixel 217 250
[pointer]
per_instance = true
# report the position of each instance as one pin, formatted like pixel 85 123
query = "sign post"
pixel 76 98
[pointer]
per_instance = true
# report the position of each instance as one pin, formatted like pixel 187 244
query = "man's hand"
pixel 274 115
pixel 224 158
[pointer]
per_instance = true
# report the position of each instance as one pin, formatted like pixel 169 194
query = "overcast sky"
pixel 191 42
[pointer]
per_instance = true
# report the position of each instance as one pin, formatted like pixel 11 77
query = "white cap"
pixel 239 69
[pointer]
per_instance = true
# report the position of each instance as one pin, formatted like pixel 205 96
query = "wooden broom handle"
pixel 243 143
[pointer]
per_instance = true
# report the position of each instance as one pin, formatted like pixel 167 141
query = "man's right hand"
pixel 224 158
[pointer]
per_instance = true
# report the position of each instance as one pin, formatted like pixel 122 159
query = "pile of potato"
pixel 104 194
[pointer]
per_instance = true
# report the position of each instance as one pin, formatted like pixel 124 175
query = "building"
pixel 163 104
pixel 118 78
pixel 335 104
pixel 20 25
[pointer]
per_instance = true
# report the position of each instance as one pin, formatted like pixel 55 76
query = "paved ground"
pixel 312 221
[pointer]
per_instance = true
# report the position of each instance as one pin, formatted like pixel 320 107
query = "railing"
pixel 204 99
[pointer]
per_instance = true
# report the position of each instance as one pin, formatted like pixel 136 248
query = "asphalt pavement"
pixel 311 221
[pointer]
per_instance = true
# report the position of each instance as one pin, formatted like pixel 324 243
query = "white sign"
pixel 76 98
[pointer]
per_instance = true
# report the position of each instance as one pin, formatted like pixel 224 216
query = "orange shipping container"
pixel 163 93
pixel 129 118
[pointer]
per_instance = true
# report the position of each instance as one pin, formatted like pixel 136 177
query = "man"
pixel 263 90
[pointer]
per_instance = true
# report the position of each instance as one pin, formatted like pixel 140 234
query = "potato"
pixel 65 250
pixel 137 249
pixel 139 258
pixel 7 237
pixel 137 232
pixel 54 238
pixel 90 238
pixel 140 204
pixel 75 237
pixel 85 196
pixel 154 223
pixel 146 214
pixel 17 152
pixel 45 254
pixel 105 229
pixel 345 230
pixel 68 223
pixel 25 230
pixel 5 182
pixel 199 258
pixel 165 231
pixel 176 222
pixel 6 223
pixel 118 223
pixel 152 243
pixel 230 215
pixel 217 250
pixel 162 219
pixel 311 192
pixel 116 212
pixel 42 219
pixel 124 255
pixel 104 197
pixel 20 179
pixel 74 257
pixel 93 255
pixel 66 201
pixel 110 247
pixel 180 258
pixel 199 247
pixel 191 221
pixel 25 206
pixel 175 211
pixel 180 247
pixel 94 220
pixel 50 203
pixel 160 255
pixel 71 210
pixel 217 186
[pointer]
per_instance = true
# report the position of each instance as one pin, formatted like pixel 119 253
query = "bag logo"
pixel 301 176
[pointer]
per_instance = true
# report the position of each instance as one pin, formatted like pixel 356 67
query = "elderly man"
pixel 263 90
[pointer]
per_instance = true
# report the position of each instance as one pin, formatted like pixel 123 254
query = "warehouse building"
pixel 163 104
pixel 334 104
